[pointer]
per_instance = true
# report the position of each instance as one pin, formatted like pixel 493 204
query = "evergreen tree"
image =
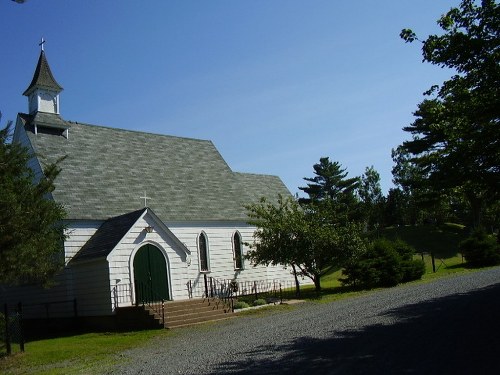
pixel 31 228
pixel 331 184
pixel 455 145
pixel 372 198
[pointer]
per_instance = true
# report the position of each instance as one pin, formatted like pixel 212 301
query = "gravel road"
pixel 451 325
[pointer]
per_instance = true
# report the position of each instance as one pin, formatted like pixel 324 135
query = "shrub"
pixel 412 270
pixel 259 302
pixel 385 263
pixel 240 305
pixel 480 250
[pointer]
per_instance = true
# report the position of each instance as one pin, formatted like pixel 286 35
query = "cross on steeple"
pixel 145 197
pixel 42 42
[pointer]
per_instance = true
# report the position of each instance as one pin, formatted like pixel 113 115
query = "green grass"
pixel 79 354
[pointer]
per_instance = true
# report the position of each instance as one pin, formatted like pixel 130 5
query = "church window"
pixel 237 252
pixel 203 251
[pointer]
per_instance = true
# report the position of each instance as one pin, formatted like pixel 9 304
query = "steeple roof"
pixel 43 77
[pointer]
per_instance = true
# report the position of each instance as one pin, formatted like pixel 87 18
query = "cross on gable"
pixel 145 197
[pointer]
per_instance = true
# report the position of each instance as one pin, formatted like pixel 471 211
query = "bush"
pixel 259 302
pixel 412 270
pixel 384 264
pixel 480 250
pixel 240 305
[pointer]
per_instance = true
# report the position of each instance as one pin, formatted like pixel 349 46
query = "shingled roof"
pixel 43 77
pixel 106 172
pixel 108 236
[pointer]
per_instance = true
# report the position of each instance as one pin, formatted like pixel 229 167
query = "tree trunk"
pixel 297 284
pixel 476 203
pixel 317 283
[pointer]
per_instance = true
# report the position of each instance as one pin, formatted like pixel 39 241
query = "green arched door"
pixel 150 275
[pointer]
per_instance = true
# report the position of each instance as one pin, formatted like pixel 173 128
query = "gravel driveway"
pixel 451 325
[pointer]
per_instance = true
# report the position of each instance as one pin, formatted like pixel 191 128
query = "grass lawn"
pixel 79 354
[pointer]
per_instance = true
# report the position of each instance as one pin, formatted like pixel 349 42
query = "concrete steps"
pixel 135 318
pixel 189 312
pixel 177 314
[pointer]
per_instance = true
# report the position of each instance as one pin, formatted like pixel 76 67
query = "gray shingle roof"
pixel 107 171
pixel 108 236
pixel 43 77
pixel 51 120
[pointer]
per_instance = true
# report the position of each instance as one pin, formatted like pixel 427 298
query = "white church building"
pixel 145 212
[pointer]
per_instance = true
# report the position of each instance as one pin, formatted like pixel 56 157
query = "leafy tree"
pixel 31 228
pixel 455 143
pixel 305 239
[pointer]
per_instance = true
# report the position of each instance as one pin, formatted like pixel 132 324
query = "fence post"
pixel 281 295
pixel 163 312
pixel 255 290
pixel 21 331
pixel 115 296
pixel 7 330
pixel 75 308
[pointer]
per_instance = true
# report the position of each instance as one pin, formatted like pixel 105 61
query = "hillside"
pixel 442 240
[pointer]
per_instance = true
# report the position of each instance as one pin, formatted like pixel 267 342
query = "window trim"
pixel 206 251
pixel 235 257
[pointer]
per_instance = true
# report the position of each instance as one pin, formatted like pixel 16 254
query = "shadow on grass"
pixel 456 334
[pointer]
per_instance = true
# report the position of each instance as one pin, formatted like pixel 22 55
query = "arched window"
pixel 237 252
pixel 203 250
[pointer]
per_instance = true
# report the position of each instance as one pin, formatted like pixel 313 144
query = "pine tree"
pixel 332 185
pixel 31 227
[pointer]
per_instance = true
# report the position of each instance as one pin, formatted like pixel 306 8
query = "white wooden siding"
pixel 92 282
pixel 121 258
pixel 92 288
pixel 220 252
pixel 40 302
pixel 78 233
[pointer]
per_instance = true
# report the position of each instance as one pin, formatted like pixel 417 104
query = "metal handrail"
pixel 154 302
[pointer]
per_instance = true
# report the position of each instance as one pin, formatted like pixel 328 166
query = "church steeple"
pixel 43 91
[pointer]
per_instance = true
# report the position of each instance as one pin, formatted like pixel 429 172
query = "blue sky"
pixel 275 84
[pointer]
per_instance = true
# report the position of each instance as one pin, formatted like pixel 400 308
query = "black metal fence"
pixel 122 295
pixel 11 330
pixel 233 289
pixel 51 310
